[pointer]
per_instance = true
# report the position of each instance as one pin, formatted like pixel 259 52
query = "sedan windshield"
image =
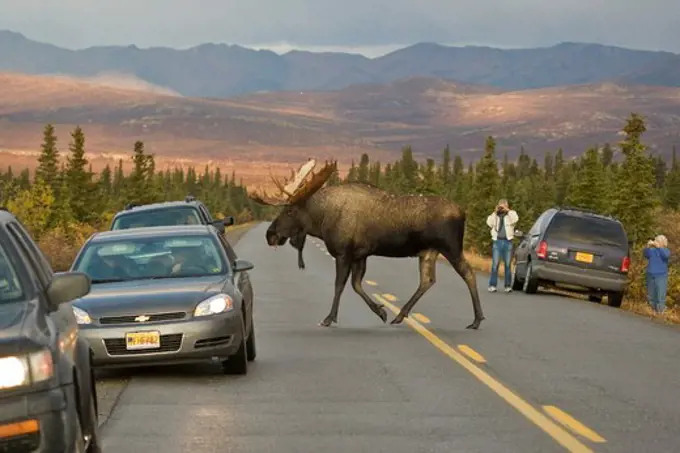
pixel 10 286
pixel 151 257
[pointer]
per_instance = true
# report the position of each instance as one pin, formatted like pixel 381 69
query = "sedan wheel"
pixel 238 363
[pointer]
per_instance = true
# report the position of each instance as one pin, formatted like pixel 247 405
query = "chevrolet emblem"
pixel 142 318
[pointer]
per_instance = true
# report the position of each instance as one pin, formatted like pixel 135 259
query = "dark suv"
pixel 48 401
pixel 575 249
pixel 189 211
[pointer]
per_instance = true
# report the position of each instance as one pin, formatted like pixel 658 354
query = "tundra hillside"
pixel 64 204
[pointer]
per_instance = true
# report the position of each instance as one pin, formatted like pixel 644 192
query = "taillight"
pixel 542 250
pixel 625 264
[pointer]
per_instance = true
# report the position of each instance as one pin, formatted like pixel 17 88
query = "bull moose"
pixel 358 220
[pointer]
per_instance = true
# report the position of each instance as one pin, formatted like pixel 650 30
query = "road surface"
pixel 544 373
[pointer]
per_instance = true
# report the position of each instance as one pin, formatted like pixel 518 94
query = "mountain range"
pixel 251 111
pixel 221 70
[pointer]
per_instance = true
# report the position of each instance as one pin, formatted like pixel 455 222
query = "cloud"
pixel 365 26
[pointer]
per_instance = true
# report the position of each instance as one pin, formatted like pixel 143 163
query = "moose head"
pixel 293 195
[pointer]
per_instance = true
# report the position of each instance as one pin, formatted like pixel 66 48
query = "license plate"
pixel 143 340
pixel 584 257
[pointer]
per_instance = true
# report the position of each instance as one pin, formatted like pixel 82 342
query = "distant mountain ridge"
pixel 224 71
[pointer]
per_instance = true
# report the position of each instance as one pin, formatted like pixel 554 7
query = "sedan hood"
pixel 150 296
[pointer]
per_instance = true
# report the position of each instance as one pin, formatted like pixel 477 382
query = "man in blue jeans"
pixel 502 223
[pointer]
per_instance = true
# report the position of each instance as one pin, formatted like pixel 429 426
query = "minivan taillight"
pixel 542 250
pixel 625 264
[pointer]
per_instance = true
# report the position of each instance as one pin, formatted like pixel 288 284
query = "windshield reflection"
pixel 151 258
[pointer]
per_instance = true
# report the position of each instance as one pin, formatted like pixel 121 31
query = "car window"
pixel 151 257
pixel 158 217
pixel 11 289
pixel 586 230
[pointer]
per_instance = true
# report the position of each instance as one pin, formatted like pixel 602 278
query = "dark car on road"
pixel 187 212
pixel 166 295
pixel 48 401
pixel 575 249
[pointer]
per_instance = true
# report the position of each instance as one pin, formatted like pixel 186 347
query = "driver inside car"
pixel 187 258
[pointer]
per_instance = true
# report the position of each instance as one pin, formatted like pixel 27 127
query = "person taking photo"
pixel 502 224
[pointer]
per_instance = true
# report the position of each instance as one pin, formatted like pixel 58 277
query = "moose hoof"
pixel 382 314
pixel 397 320
pixel 327 322
pixel 475 324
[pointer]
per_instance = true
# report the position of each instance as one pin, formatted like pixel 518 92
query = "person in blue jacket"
pixel 657 255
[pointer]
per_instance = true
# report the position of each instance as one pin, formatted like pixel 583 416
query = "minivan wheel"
pixel 516 283
pixel 530 283
pixel 614 299
pixel 595 298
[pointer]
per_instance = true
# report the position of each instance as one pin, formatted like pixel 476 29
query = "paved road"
pixel 543 374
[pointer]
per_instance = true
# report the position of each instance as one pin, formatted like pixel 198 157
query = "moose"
pixel 358 220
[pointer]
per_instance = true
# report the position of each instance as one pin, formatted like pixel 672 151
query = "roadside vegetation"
pixel 65 202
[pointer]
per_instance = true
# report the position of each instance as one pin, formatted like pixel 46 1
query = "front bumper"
pixel 582 277
pixel 49 409
pixel 192 340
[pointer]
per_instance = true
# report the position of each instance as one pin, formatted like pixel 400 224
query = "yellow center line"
pixel 389 297
pixel 370 282
pixel 576 426
pixel 421 318
pixel 559 434
pixel 474 355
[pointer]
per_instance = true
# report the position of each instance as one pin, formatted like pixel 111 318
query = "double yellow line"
pixel 555 431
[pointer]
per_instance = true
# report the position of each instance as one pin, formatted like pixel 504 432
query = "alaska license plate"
pixel 584 257
pixel 142 340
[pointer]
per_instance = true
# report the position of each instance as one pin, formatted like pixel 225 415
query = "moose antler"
pixel 299 187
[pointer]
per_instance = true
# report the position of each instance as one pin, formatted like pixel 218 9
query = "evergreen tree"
pixel 79 179
pixel 48 161
pixel 589 187
pixel 486 190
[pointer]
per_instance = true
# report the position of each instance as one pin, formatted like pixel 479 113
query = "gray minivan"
pixel 574 249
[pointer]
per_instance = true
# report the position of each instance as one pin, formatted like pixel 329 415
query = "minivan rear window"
pixel 586 230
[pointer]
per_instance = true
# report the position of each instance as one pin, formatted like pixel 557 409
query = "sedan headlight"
pixel 218 303
pixel 81 315
pixel 17 371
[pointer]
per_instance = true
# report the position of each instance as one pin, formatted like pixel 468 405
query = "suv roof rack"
pixel 189 198
pixel 584 210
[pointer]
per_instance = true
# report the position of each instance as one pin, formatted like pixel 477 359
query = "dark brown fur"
pixel 356 221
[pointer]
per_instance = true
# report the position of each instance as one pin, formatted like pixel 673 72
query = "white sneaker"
pixel 492 289
pixel 508 289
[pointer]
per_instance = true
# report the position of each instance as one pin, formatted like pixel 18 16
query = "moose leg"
pixel 301 262
pixel 342 270
pixel 427 263
pixel 358 272
pixel 464 269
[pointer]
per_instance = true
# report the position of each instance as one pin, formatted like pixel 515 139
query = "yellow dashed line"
pixel 576 426
pixel 389 297
pixel 421 318
pixel 559 434
pixel 370 282
pixel 474 355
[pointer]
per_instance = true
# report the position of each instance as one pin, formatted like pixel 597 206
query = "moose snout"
pixel 274 239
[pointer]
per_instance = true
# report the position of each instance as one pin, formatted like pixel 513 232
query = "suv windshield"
pixel 151 257
pixel 157 217
pixel 587 230
pixel 10 287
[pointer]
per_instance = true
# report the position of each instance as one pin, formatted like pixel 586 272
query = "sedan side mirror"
pixel 243 265
pixel 219 225
pixel 68 286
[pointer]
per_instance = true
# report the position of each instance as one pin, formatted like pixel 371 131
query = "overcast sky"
pixel 371 27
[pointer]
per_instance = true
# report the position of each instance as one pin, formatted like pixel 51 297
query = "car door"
pixel 241 280
pixel 63 320
pixel 528 243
